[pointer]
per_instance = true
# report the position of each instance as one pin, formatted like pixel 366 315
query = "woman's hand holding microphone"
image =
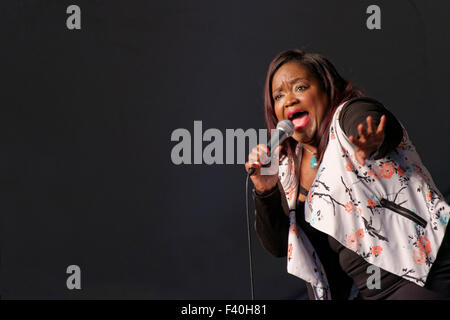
pixel 263 181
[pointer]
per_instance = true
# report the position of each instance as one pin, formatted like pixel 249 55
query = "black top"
pixel 342 266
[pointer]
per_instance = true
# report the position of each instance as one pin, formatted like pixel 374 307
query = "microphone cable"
pixel 249 237
pixel 284 129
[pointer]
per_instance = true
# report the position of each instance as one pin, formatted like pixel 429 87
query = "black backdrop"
pixel 87 116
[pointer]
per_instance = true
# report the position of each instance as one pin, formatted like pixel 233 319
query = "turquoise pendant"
pixel 313 163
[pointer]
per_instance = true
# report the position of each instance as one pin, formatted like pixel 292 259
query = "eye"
pixel 277 97
pixel 301 88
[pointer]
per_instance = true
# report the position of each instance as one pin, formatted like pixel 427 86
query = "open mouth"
pixel 299 119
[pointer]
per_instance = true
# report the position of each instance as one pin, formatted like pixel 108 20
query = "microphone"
pixel 284 130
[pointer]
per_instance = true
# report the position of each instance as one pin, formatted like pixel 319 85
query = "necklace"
pixel 313 162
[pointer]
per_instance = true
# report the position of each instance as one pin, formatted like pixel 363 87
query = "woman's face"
pixel 298 96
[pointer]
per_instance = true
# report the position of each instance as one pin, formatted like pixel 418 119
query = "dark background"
pixel 87 116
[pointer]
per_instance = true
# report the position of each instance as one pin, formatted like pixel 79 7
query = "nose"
pixel 291 99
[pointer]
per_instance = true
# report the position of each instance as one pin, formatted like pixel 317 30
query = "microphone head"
pixel 286 126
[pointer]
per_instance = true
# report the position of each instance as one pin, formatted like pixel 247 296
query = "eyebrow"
pixel 290 81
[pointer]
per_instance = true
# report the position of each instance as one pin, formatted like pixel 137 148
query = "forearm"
pixel 271 221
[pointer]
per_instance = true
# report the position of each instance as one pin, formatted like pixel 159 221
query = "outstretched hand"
pixel 369 140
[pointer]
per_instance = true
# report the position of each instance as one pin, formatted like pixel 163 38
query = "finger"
pixel 253 157
pixel 355 141
pixel 262 147
pixel 255 164
pixel 362 133
pixel 263 157
pixel 263 152
pixel 249 165
pixel 369 121
pixel 258 153
pixel 381 125
pixel 258 159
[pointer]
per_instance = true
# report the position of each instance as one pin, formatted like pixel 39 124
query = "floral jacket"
pixel 388 211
